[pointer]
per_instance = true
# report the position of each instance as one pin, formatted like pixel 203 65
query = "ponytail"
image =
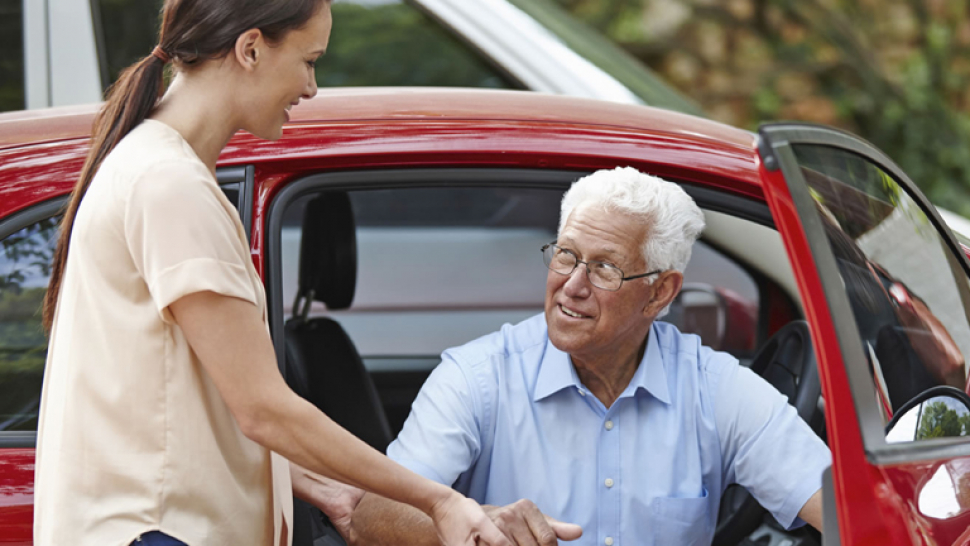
pixel 130 100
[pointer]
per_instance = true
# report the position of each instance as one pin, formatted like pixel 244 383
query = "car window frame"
pixel 17 221
pixel 775 145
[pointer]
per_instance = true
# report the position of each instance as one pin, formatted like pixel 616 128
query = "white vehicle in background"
pixel 71 47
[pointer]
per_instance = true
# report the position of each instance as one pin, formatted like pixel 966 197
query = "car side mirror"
pixel 939 412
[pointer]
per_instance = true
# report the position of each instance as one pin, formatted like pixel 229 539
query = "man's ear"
pixel 247 49
pixel 665 289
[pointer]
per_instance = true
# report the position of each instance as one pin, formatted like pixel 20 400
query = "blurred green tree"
pixel 939 421
pixel 896 72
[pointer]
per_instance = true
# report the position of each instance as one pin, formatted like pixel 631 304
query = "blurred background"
pixel 895 72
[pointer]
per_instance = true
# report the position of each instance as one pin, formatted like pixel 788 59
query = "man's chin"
pixel 564 341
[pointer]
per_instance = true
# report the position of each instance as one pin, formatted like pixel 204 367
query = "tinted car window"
pixel 126 31
pixel 392 43
pixel 11 55
pixel 374 43
pixel 907 290
pixel 25 259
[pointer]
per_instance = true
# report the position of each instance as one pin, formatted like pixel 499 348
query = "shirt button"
pixel 608 541
pixel 609 425
pixel 582 392
pixel 609 482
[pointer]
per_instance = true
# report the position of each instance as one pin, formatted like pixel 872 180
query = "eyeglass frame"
pixel 587 264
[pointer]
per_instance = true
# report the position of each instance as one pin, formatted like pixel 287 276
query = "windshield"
pixel 597 49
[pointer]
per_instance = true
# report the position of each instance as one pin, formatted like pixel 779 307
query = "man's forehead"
pixel 616 228
pixel 606 249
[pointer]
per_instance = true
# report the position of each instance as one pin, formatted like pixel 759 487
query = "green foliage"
pixel 23 351
pixel 939 421
pixel 27 253
pixel 896 72
pixel 25 259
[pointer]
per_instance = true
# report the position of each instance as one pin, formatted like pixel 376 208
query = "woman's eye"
pixel 312 64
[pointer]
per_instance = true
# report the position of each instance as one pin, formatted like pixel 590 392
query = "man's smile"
pixel 570 313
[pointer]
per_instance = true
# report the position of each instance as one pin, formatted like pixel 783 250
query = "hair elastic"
pixel 160 54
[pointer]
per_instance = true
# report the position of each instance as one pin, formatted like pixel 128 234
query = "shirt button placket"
pixel 609 472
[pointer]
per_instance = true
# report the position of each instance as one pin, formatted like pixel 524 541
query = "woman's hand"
pixel 460 521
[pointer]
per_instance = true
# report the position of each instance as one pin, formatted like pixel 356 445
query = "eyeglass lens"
pixel 601 275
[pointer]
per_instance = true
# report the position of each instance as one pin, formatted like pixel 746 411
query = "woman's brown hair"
pixel 192 31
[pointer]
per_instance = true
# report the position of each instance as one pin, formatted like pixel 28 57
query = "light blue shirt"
pixel 505 417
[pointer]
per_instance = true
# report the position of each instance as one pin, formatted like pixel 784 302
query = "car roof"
pixel 403 123
pixel 377 103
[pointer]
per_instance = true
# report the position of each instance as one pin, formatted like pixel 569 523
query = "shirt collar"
pixel 651 375
pixel 556 372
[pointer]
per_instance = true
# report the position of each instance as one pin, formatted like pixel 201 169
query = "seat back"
pixel 322 364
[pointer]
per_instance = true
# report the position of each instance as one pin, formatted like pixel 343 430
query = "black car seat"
pixel 322 365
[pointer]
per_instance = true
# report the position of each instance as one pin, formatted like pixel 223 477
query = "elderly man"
pixel 595 412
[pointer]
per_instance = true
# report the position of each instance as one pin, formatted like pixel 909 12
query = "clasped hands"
pixel 522 522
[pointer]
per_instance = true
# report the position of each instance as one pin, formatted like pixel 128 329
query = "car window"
pixel 392 43
pixel 907 290
pixel 438 267
pixel 11 55
pixel 25 258
pixel 125 31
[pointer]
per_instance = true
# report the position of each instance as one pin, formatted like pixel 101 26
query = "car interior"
pixel 376 281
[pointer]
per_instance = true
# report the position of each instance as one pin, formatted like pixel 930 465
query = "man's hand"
pixel 525 525
pixel 336 499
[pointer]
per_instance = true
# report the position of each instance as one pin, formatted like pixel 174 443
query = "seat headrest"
pixel 328 251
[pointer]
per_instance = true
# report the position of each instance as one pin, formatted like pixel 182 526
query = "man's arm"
pixel 811 513
pixel 378 521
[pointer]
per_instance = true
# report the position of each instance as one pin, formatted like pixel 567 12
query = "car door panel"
pixel 853 228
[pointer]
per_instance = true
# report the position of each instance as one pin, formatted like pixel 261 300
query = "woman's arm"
pixel 232 343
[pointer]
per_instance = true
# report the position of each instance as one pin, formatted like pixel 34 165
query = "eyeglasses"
pixel 600 274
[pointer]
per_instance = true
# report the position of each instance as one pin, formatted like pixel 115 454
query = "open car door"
pixel 886 294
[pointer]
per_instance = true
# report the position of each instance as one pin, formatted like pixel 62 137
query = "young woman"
pixel 163 407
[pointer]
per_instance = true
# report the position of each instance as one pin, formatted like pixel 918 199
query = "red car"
pixel 391 224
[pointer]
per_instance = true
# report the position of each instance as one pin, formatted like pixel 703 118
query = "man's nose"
pixel 577 285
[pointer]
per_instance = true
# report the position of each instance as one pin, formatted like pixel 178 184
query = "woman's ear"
pixel 247 50
pixel 665 289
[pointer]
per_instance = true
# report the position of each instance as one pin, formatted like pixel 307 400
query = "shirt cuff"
pixel 200 275
pixel 787 516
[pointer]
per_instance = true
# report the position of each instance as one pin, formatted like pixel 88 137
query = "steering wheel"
pixel 787 361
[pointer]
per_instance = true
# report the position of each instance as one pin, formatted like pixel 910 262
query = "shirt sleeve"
pixel 766 446
pixel 181 237
pixel 441 438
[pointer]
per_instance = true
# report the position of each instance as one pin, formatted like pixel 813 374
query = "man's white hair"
pixel 672 219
